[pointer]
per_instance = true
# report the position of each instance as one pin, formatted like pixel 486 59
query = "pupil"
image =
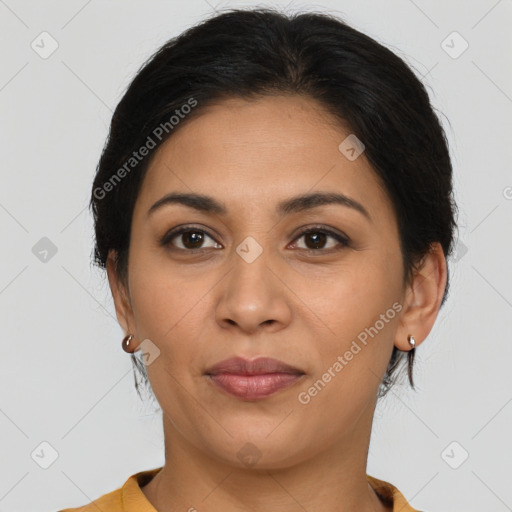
pixel 196 238
pixel 319 238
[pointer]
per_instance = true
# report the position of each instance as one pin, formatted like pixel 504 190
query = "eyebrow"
pixel 294 204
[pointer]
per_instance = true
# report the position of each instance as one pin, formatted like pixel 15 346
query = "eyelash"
pixel 343 240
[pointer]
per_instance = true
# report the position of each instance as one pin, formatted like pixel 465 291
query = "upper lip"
pixel 258 366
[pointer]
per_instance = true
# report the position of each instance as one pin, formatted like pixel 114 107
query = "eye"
pixel 191 238
pixel 315 239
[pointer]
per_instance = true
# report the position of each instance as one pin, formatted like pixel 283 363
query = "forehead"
pixel 256 151
pixel 297 125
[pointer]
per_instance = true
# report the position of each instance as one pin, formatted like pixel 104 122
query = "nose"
pixel 253 294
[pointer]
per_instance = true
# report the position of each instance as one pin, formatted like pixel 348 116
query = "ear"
pixel 121 295
pixel 423 298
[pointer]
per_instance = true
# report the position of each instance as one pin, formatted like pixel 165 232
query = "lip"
pixel 257 366
pixel 253 379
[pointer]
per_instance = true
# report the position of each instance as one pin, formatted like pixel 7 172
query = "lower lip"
pixel 254 387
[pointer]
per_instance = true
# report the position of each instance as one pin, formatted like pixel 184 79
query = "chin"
pixel 258 448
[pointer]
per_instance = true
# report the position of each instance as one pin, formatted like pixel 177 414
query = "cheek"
pixel 167 311
pixel 354 296
pixel 167 306
pixel 359 310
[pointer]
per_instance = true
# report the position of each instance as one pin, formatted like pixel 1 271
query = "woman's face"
pixel 244 282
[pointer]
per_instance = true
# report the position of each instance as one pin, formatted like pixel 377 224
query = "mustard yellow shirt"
pixel 130 498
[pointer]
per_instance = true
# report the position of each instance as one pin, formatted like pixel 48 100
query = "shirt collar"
pixel 134 500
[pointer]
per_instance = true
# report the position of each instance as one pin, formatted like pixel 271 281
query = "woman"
pixel 274 211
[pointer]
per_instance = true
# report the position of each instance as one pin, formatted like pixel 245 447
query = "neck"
pixel 334 480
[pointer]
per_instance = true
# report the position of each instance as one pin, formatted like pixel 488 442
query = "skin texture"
pixel 302 307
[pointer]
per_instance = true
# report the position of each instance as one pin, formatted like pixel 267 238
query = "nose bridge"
pixel 250 261
pixel 251 248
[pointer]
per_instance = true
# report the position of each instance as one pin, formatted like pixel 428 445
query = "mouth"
pixel 253 379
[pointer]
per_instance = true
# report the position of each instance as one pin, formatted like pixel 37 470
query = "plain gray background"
pixel 65 381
